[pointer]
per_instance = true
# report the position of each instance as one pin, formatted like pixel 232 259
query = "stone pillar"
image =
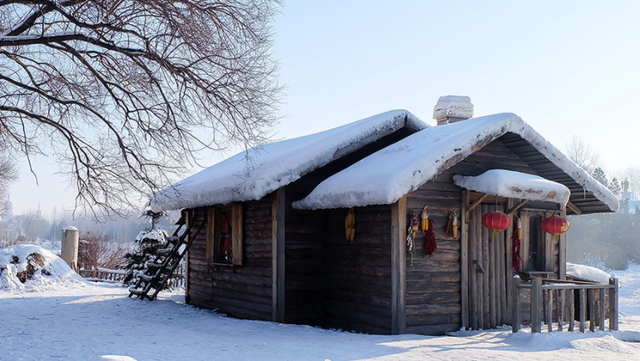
pixel 69 248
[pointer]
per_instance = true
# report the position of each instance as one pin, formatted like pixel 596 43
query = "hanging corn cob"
pixel 452 225
pixel 411 236
pixel 425 219
pixel 350 225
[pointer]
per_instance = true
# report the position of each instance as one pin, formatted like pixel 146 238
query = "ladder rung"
pixel 173 239
pixel 164 251
pixel 145 278
pixel 136 291
pixel 154 265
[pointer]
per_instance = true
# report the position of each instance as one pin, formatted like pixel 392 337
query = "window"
pixel 224 234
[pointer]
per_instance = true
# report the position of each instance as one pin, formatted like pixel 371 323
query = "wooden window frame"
pixel 213 234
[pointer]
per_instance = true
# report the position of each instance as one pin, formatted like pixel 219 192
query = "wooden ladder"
pixel 157 273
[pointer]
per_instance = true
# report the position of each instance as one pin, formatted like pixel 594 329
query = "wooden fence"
pixel 115 276
pixel 574 301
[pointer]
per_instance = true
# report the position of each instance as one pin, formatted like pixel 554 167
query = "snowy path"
pixel 84 321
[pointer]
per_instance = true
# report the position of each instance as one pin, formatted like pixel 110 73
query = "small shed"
pixel 315 230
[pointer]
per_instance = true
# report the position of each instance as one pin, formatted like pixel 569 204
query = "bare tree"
pixel 8 173
pixel 631 175
pixel 583 155
pixel 123 92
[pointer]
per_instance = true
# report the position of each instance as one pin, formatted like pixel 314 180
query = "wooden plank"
pixel 493 281
pixel 561 305
pixel 472 240
pixel 572 309
pixel 398 264
pixel 501 297
pixel 549 310
pixel 486 303
pixel 524 242
pixel 573 207
pixel 464 259
pixel 211 217
pixel 508 272
pixel 601 315
pixel 278 255
pixel 583 309
pixel 516 317
pixel 562 250
pixel 613 304
pixel 513 208
pixel 236 237
pixel 477 203
pixel 536 305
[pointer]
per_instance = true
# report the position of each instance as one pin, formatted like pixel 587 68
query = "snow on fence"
pixel 114 276
pixel 574 301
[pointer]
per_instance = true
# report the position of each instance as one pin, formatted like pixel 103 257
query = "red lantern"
pixel 555 225
pixel 496 222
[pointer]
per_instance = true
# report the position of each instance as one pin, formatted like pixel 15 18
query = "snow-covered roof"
pixel 506 183
pixel 261 170
pixel 387 175
pixel 587 273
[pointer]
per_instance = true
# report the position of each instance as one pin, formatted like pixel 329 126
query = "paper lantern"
pixel 496 222
pixel 555 226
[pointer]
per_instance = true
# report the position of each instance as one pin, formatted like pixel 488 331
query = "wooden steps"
pixel 151 280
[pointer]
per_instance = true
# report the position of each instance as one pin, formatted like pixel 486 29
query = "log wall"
pixel 357 284
pixel 241 291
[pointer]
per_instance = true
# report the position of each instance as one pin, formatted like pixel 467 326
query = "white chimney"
pixel 452 108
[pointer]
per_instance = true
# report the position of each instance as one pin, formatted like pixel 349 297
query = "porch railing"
pixel 557 300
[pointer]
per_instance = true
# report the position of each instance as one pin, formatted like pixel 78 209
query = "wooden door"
pixel 487 270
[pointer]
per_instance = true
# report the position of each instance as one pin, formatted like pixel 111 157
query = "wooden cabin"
pixel 276 245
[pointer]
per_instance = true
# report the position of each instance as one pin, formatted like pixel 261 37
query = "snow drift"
pixel 33 268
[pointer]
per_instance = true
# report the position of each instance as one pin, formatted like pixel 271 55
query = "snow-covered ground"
pixel 82 321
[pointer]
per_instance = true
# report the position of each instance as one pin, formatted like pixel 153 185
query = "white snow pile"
pixel 260 170
pixel 453 106
pixel 156 234
pixel 506 183
pixel 390 173
pixel 33 268
pixel 587 273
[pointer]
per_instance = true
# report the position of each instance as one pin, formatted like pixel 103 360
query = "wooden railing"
pixel 591 302
pixel 114 276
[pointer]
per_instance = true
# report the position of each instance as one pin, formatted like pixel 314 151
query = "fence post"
pixel 613 304
pixel 536 305
pixel 515 317
pixel 69 247
pixel 583 309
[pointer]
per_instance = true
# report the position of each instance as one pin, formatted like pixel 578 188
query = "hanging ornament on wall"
pixel 425 219
pixel 555 226
pixel 496 222
pixel 452 225
pixel 515 238
pixel 411 236
pixel 350 225
pixel 430 244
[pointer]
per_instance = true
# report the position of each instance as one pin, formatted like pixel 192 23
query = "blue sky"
pixel 566 67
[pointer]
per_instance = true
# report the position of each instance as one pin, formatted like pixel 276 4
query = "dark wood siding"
pixel 433 283
pixel 358 275
pixel 241 291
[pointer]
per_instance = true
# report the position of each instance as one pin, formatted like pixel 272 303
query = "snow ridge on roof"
pixel 387 175
pixel 507 183
pixel 252 174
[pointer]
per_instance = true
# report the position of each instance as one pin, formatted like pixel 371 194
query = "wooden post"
pixel 592 309
pixel 572 309
pixel 601 315
pixel 536 305
pixel 562 249
pixel 187 296
pixel 613 304
pixel 508 264
pixel 583 311
pixel 277 256
pixel 515 323
pixel 561 303
pixel 398 264
pixel 464 259
pixel 549 310
pixel 69 247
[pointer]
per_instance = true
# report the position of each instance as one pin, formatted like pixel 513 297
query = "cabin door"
pixel 487 272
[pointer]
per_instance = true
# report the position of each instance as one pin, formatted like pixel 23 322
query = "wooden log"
pixel 493 281
pixel 572 310
pixel 516 317
pixel 613 304
pixel 472 273
pixel 583 309
pixel 536 305
pixel 398 266
pixel 561 302
pixel 464 259
pixel 601 314
pixel 592 310
pixel 278 261
pixel 549 310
